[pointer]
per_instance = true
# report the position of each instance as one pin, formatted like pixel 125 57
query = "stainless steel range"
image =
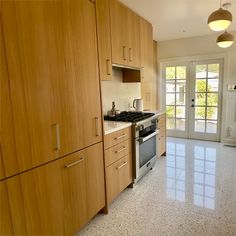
pixel 144 135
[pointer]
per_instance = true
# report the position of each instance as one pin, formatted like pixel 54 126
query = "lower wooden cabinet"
pixel 58 198
pixel 5 214
pixel 118 162
pixel 162 134
pixel 118 177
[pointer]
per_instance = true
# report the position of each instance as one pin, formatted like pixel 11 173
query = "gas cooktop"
pixel 129 116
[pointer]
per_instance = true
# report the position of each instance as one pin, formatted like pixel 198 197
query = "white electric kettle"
pixel 138 104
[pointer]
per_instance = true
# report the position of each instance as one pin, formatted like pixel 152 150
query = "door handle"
pixel 122 136
pixel 130 55
pixel 74 163
pixel 108 64
pixel 121 165
pixel 58 139
pixel 122 149
pixel 124 53
pixel 97 133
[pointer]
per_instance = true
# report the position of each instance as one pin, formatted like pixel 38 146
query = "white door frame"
pixel 189 59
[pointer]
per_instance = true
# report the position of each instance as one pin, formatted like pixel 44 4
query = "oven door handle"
pixel 149 136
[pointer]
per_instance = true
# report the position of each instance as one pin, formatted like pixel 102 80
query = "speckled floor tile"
pixel 191 191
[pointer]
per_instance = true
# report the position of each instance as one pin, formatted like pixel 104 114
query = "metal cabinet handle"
pixel 58 140
pixel 121 165
pixel 108 64
pixel 124 53
pixel 122 149
pixel 74 163
pixel 130 54
pixel 97 133
pixel 122 136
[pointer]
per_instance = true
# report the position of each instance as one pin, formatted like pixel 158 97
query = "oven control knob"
pixel 140 127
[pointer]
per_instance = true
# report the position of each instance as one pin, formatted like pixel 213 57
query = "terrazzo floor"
pixel 191 191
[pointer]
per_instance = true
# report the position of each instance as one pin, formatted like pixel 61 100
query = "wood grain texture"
pixel 7 143
pixel 53 71
pixel 104 39
pixel 57 200
pixel 5 214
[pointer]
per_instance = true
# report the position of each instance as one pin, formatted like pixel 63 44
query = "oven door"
pixel 146 153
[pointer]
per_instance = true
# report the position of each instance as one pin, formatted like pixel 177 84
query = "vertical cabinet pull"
pixel 124 53
pixel 58 140
pixel 130 54
pixel 108 65
pixel 97 133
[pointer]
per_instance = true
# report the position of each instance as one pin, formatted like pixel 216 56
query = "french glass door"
pixel 205 94
pixel 193 91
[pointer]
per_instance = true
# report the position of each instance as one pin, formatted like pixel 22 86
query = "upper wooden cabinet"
pixel 104 39
pixel 51 51
pixel 124 35
pixel 60 197
pixel 7 144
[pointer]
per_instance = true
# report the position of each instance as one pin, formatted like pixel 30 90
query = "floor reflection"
pixel 197 164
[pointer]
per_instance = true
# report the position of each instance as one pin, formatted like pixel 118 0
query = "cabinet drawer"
pixel 116 152
pixel 117 137
pixel 118 177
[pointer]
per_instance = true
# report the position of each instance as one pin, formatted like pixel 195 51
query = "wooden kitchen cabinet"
pixel 51 51
pixel 118 162
pixel 7 143
pixel 161 125
pixel 60 197
pixel 104 39
pixel 124 35
pixel 5 214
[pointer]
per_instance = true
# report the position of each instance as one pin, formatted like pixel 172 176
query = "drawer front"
pixel 117 137
pixel 118 151
pixel 118 177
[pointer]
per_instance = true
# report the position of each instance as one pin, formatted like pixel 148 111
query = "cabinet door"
pixel 95 181
pixel 5 214
pixel 104 39
pixel 7 144
pixel 52 58
pixel 133 38
pixel 118 32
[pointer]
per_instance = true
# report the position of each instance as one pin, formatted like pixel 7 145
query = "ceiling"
pixel 175 19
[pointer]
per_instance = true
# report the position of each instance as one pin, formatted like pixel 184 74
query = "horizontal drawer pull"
pixel 122 136
pixel 121 165
pixel 74 163
pixel 122 149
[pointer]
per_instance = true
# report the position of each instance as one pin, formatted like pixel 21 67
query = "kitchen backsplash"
pixel 122 93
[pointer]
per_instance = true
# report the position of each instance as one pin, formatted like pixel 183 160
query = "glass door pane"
pixel 205 103
pixel 176 82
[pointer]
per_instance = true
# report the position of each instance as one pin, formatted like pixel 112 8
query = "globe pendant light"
pixel 225 40
pixel 220 20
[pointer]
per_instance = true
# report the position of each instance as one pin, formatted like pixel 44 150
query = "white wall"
pixel 122 93
pixel 205 46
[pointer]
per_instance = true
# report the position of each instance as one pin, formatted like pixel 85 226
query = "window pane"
pixel 180 112
pixel 201 71
pixel 170 123
pixel 200 112
pixel 211 127
pixel 180 124
pixel 170 111
pixel 170 72
pixel 199 126
pixel 200 85
pixel 213 85
pixel 212 99
pixel 170 86
pixel 213 71
pixel 212 113
pixel 180 86
pixel 181 72
pixel 170 99
pixel 200 99
pixel 180 98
